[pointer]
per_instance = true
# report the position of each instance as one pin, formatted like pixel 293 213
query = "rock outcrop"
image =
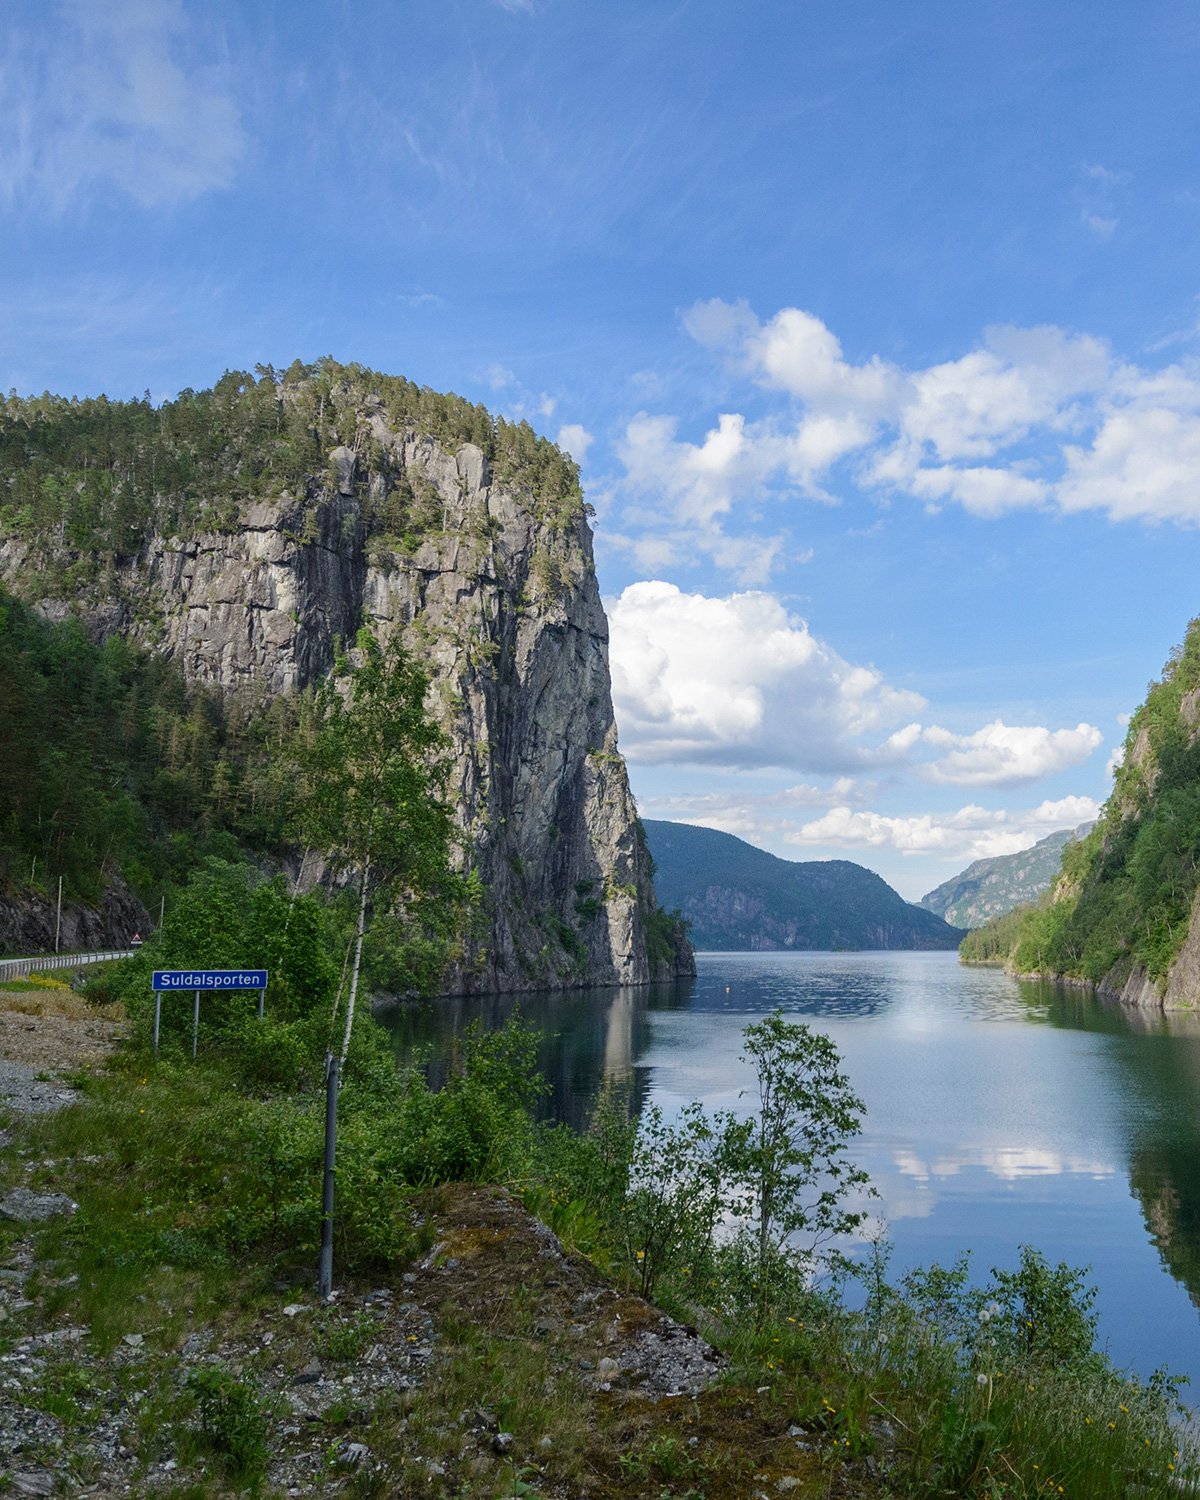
pixel 493 587
pixel 28 921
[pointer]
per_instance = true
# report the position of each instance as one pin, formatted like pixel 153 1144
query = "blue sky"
pixel 875 328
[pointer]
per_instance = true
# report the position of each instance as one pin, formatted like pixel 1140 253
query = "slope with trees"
pixel 735 896
pixel 1122 914
pixel 990 887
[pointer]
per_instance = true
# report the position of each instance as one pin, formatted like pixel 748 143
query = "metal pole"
pixel 195 1022
pixel 325 1263
pixel 262 996
pixel 162 907
pixel 58 918
pixel 157 1009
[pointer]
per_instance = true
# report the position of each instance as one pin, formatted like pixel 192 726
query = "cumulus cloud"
pixel 739 680
pixel 110 96
pixel 1032 417
pixel 972 832
pixel 576 440
pixel 1002 754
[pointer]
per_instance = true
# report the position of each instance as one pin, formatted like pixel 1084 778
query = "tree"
pixel 370 793
pixel 785 1166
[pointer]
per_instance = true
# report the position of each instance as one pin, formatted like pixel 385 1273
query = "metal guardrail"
pixel 18 968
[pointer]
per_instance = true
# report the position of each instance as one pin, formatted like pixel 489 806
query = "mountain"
pixel 990 887
pixel 241 534
pixel 737 897
pixel 1124 912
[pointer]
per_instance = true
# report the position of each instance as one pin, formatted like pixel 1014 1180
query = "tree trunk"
pixel 363 887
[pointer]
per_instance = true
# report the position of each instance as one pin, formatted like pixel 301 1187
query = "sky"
pixel 874 328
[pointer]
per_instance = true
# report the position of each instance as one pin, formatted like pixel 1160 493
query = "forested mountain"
pixel 736 897
pixel 204 562
pixel 1124 912
pixel 990 887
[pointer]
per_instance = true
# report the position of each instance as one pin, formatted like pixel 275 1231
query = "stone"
pixel 134 1340
pixel 503 1443
pixel 33 1482
pixel 26 1206
pixel 352 1454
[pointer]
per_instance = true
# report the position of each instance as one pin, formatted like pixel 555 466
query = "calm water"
pixel 998 1112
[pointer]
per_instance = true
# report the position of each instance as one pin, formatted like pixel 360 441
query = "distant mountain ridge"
pixel 737 897
pixel 991 887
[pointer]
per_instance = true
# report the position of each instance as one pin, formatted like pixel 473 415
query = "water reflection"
pixel 998 1113
pixel 586 1038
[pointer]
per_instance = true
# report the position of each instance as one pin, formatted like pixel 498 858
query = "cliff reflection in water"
pixel 1162 1068
pixel 586 1038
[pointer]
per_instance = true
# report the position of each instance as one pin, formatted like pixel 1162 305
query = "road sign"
pixel 210 979
pixel 167 980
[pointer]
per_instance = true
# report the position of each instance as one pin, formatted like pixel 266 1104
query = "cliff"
pixel 737 897
pixel 369 506
pixel 1124 913
pixel 990 887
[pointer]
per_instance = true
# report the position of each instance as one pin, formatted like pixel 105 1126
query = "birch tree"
pixel 370 793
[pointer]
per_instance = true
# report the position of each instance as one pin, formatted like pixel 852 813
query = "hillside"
pixel 738 897
pixel 990 887
pixel 1124 914
pixel 236 537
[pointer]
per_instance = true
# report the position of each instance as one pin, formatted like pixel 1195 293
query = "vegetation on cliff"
pixel 1125 893
pixel 102 476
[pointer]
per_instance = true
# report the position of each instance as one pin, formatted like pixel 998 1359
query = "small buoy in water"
pixel 727 989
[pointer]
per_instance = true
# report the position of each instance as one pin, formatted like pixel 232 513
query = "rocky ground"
pixel 497 1364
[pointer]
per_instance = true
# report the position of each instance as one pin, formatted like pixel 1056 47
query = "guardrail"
pixel 18 968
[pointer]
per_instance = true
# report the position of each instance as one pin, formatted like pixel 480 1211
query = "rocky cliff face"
pixel 27 922
pixel 493 587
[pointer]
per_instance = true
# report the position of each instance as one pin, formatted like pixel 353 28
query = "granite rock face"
pixel 494 589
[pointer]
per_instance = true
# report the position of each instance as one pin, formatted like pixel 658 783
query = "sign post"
pixel 167 981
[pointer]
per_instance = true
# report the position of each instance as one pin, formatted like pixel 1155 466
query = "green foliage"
pixel 232 1423
pixel 368 790
pixel 662 929
pixel 994 941
pixel 230 916
pixel 93 478
pixel 1126 891
pixel 786 1163
pixel 109 763
pixel 479 1126
pixel 674 1195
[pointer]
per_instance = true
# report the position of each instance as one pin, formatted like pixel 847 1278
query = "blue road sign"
pixel 210 979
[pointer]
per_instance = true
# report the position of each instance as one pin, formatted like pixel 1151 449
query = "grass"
pixel 198 1210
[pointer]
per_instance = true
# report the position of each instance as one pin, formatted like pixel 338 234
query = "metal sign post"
pixel 166 981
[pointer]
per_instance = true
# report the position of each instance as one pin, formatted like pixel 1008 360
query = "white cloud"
pixel 112 96
pixel 576 440
pixel 1032 417
pixel 738 680
pixel 1101 227
pixel 1143 462
pixel 972 832
pixel 1002 754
